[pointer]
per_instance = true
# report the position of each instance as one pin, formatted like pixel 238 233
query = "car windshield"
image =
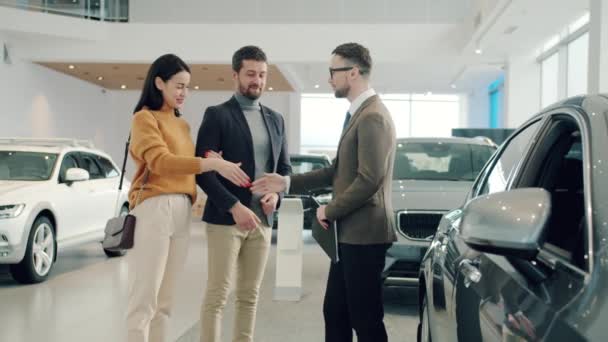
pixel 26 166
pixel 440 161
pixel 302 165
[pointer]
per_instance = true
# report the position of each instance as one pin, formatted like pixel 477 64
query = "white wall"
pixel 522 90
pixel 38 102
pixel 478 102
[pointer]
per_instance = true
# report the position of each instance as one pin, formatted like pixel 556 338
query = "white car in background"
pixel 54 193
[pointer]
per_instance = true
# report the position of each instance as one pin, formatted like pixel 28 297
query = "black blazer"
pixel 225 129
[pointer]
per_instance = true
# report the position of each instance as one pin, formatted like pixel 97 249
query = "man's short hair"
pixel 356 54
pixel 248 52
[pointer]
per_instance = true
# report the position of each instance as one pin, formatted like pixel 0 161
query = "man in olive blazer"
pixel 361 177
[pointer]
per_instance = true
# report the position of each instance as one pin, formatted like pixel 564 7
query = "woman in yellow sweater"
pixel 161 196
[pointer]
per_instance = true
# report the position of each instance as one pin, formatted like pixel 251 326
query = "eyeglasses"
pixel 332 70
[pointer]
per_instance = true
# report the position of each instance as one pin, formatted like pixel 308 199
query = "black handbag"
pixel 120 230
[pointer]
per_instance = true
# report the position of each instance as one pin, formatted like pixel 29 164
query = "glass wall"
pixel 106 10
pixel 414 115
pixel 564 63
pixel 578 53
pixel 549 78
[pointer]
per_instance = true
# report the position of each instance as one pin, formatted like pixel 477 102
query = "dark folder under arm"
pixel 326 238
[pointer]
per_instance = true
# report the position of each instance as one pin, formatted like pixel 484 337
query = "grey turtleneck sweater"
pixel 261 146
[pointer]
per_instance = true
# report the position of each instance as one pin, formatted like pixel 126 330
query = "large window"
pixel 578 52
pixel 414 115
pixel 549 79
pixel 564 64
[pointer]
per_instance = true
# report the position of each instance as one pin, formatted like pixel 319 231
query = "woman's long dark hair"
pixel 165 67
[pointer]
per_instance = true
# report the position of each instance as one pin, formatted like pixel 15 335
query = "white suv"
pixel 54 193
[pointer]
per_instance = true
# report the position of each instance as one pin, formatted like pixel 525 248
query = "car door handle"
pixel 470 271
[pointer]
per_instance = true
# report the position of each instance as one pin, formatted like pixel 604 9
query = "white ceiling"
pixel 534 23
pixel 417 45
pixel 299 11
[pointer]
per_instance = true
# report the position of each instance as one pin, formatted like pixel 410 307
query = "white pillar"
pixel 288 278
pixel 598 46
pixel 294 122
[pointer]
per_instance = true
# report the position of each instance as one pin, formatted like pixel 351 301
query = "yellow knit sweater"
pixel 161 142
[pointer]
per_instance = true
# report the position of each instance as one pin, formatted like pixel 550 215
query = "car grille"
pixel 419 225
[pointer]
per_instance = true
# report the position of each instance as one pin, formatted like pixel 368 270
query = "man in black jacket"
pixel 238 222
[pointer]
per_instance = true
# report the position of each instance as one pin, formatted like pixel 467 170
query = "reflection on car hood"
pixel 429 195
pixel 7 187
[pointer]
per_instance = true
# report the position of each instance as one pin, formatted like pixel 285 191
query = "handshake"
pixel 269 183
pixel 268 187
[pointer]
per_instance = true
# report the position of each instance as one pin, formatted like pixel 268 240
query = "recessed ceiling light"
pixel 71 66
pixel 478 51
pixel 316 86
pixel 196 87
pixel 123 86
pixel 270 88
pixel 100 78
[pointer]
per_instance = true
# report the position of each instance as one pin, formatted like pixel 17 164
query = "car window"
pixel 91 165
pixel 557 167
pixel 439 161
pixel 498 176
pixel 69 162
pixel 26 166
pixel 480 155
pixel 108 169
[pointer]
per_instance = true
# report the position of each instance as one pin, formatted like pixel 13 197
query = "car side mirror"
pixel 76 175
pixel 509 223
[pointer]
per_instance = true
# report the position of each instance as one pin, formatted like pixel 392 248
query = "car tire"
pixel 39 255
pixel 424 328
pixel 124 211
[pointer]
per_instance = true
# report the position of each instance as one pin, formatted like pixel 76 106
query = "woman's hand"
pixel 213 154
pixel 230 171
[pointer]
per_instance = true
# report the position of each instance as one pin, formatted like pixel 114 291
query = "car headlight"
pixel 323 199
pixel 11 211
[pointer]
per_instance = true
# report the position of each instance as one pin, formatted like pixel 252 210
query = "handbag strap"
pixel 124 163
pixel 124 167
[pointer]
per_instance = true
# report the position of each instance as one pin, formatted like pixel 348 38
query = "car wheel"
pixel 424 329
pixel 39 254
pixel 124 211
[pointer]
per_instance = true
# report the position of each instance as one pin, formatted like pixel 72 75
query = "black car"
pixel 302 163
pixel 526 258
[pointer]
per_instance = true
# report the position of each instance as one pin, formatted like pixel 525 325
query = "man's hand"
pixel 270 183
pixel 269 203
pixel 245 218
pixel 321 217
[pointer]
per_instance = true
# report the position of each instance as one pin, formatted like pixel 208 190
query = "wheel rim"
pixel 43 249
pixel 425 336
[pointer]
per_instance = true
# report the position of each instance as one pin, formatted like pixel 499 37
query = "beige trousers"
pixel 158 255
pixel 231 252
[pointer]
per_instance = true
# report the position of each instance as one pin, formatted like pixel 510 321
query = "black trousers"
pixel 353 298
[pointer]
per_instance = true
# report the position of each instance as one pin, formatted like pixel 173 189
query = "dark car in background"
pixel 526 258
pixel 302 163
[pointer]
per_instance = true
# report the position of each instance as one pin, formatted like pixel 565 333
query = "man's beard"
pixel 342 93
pixel 249 93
